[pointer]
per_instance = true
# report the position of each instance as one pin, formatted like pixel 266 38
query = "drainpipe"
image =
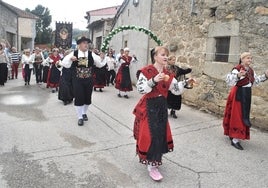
pixel 193 7
pixel 151 11
pixel 18 46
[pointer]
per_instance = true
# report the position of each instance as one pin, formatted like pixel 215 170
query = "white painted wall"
pixel 137 41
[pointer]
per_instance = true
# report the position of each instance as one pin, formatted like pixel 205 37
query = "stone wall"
pixel 189 30
pixel 8 24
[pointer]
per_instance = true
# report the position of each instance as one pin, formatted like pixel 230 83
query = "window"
pixel 98 42
pixel 222 49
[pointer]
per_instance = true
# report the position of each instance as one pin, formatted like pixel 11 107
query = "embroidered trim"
pixel 83 72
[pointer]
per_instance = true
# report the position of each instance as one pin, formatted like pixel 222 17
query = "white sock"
pixel 149 167
pixel 235 140
pixel 79 111
pixel 85 108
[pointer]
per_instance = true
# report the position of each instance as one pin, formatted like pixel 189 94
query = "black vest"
pixel 90 59
pixel 83 70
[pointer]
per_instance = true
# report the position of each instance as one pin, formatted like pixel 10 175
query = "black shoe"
pixel 247 122
pixel 85 118
pixel 25 84
pixel 80 122
pixel 28 83
pixel 174 116
pixel 65 103
pixel 100 90
pixel 126 96
pixel 237 145
pixel 119 95
pixel 95 89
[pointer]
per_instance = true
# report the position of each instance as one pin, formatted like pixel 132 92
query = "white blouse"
pixel 111 63
pixel 145 86
pixel 232 78
pixel 27 60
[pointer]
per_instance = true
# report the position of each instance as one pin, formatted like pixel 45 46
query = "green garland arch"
pixel 104 45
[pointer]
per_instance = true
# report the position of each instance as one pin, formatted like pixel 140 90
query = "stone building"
pixel 207 35
pixel 17 26
pixel 99 24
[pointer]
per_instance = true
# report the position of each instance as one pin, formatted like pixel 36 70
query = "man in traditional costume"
pixel 81 62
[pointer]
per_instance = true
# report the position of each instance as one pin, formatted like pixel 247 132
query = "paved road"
pixel 41 146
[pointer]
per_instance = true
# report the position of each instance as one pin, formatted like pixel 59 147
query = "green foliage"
pixel 43 32
pixel 104 45
pixel 78 33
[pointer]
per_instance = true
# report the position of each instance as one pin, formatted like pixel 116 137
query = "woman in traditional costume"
pixel 53 77
pixel 100 72
pixel 122 79
pixel 174 101
pixel 151 127
pixel 65 86
pixel 236 122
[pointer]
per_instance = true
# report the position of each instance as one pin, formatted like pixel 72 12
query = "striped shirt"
pixel 15 57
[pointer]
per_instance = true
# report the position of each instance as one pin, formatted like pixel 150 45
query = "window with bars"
pixel 222 49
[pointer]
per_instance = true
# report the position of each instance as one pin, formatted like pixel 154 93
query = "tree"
pixel 43 31
pixel 78 33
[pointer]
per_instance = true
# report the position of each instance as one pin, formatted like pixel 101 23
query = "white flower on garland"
pixel 104 46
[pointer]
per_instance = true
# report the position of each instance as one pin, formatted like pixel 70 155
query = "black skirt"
pixel 174 101
pixel 157 119
pixel 65 86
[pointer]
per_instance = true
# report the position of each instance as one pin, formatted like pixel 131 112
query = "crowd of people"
pixel 77 73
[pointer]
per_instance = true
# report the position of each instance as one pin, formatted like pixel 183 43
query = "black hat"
pixel 82 39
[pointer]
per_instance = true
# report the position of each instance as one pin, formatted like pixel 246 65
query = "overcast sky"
pixel 71 11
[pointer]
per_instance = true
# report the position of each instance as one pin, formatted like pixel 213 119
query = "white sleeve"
pixel 32 57
pixel 144 85
pixel 67 62
pixel 134 60
pixel 177 88
pixel 260 78
pixel 23 59
pixel 231 78
pixel 97 59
